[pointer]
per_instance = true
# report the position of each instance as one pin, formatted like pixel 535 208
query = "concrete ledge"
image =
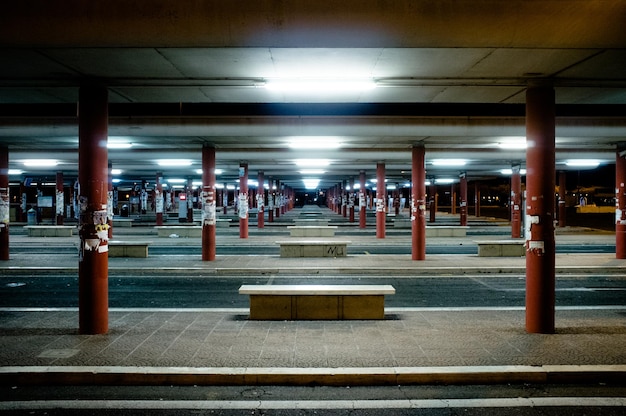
pixel 123 222
pixel 319 222
pixel 501 248
pixel 128 248
pixel 447 231
pixel 311 231
pixel 344 376
pixel 223 222
pixel 50 230
pixel 313 248
pixel 318 302
pixel 179 230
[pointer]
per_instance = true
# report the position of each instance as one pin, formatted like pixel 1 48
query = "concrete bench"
pixel 179 230
pixel 223 222
pixel 293 302
pixel 50 230
pixel 501 248
pixel 401 222
pixel 447 231
pixel 316 222
pixel 128 248
pixel 313 248
pixel 123 222
pixel 311 231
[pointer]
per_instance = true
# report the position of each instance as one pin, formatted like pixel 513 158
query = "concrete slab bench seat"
pixel 501 248
pixel 123 222
pixel 128 248
pixel 184 231
pixel 311 231
pixel 318 222
pixel 447 231
pixel 313 248
pixel 223 222
pixel 330 302
pixel 50 230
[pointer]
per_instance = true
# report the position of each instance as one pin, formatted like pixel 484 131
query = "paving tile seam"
pixel 119 375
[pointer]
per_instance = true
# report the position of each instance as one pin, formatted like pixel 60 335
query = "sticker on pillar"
pixel 243 206
pixel 536 247
pixel 208 208
pixel 620 217
pixel 5 207
pixel 260 202
pixel 380 205
pixel 158 201
pixel 60 203
pixel 110 206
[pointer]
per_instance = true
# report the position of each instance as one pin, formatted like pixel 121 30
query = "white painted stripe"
pixel 388 309
pixel 316 404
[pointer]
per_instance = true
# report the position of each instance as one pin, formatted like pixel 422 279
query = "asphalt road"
pixel 197 291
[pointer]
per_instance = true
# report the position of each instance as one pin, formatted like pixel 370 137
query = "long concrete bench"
pixel 293 302
pixel 311 231
pixel 317 222
pixel 501 248
pixel 123 222
pixel 185 231
pixel 447 231
pixel 50 230
pixel 313 248
pixel 128 248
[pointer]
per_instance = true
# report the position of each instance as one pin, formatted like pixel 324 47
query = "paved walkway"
pixel 221 346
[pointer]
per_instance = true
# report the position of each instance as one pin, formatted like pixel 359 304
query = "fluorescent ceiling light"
pixel 40 163
pixel 314 142
pixel 217 171
pixel 116 171
pixel 391 187
pixel 449 162
pixel 312 171
pixel 443 181
pixel 116 180
pixel 177 180
pixel 119 145
pixel 513 143
pixel 174 162
pixel 15 171
pixel 320 85
pixel 583 163
pixel 312 163
pixel 311 183
pixel 427 183
pixel 357 186
pixel 510 171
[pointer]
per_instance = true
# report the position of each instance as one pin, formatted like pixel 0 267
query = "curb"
pixel 371 376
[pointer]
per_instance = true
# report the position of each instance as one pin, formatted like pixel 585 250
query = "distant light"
pixel 116 171
pixel 443 181
pixel 217 171
pixel 312 163
pixel 174 162
pixel 391 187
pixel 314 142
pixel 230 187
pixel 196 184
pixel 427 183
pixel 40 163
pixel 510 171
pixel 15 171
pixel 449 162
pixel 312 171
pixel 311 183
pixel 119 145
pixel 319 86
pixel 175 180
pixel 583 163
pixel 513 143
pixel 357 186
pixel 116 180
pixel 219 186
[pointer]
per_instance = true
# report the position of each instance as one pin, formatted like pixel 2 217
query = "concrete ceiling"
pixel 451 75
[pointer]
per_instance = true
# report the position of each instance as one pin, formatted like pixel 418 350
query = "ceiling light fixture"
pixel 449 162
pixel 513 143
pixel 312 163
pixel 314 142
pixel 444 181
pixel 312 171
pixel 510 171
pixel 15 171
pixel 319 85
pixel 311 183
pixel 174 162
pixel 119 145
pixel 40 163
pixel 583 163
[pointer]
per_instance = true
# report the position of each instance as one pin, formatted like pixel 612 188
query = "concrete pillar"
pixel 260 201
pixel 158 198
pixel 562 192
pixel 380 200
pixel 516 202
pixel 362 201
pixel 477 199
pixel 59 203
pixel 243 200
pixel 620 202
pixel 540 184
pixel 93 273
pixel 418 204
pixel 5 203
pixel 208 196
pixel 463 195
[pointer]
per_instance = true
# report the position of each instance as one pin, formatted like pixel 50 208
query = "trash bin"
pixel 124 211
pixel 31 217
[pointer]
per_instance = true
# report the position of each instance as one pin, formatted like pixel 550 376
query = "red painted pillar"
pixel 620 202
pixel 477 199
pixel 362 201
pixel 562 192
pixel 453 199
pixel 351 201
pixel 59 203
pixel 463 194
pixel 277 200
pixel 432 202
pixel 208 196
pixel 189 191
pixel 260 201
pixel 158 198
pixel 380 200
pixel 93 272
pixel 225 198
pixel 271 198
pixel 5 203
pixel 516 202
pixel 243 200
pixel 540 244
pixel 418 204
